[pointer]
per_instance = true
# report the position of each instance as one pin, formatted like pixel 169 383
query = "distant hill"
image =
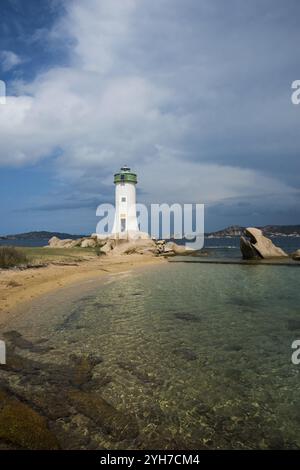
pixel 268 230
pixel 232 231
pixel 42 235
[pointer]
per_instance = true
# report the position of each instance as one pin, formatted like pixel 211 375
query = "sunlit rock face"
pixel 254 245
pixel 296 255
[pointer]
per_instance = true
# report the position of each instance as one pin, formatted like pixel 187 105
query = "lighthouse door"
pixel 123 224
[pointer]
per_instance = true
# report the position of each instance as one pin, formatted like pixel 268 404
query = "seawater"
pixel 191 355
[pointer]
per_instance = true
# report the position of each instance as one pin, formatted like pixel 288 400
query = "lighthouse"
pixel 125 222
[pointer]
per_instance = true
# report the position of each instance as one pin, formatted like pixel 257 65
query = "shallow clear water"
pixel 191 355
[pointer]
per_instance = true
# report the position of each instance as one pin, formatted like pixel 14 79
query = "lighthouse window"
pixel 123 224
pixel 123 199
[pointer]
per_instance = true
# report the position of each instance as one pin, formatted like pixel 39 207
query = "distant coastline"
pixel 269 230
pixel 228 232
pixel 39 235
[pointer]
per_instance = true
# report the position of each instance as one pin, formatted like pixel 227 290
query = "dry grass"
pixel 39 256
pixel 58 255
pixel 11 257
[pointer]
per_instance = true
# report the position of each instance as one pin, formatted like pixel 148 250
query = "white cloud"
pixel 178 180
pixel 9 60
pixel 108 107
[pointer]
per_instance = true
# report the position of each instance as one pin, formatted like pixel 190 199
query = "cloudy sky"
pixel 195 95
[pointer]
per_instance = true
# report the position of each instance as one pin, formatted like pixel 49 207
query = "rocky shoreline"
pixel 119 246
pixel 253 245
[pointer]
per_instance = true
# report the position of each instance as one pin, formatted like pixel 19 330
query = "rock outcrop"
pixel 141 246
pixel 119 246
pixel 254 245
pixel 55 242
pixel 171 247
pixel 88 243
pixel 108 246
pixel 296 255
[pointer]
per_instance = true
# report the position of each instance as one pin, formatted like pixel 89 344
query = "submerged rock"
pixel 185 316
pixel 82 371
pixel 293 325
pixel 23 427
pixel 18 363
pixel 142 376
pixel 233 374
pixel 117 424
pixel 16 339
pixel 186 354
pixel 256 246
pixel 51 404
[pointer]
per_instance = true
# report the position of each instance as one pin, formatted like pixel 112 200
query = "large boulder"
pixel 108 246
pixel 160 245
pixel 55 242
pixel 254 245
pixel 248 250
pixel 88 243
pixel 139 246
pixel 75 243
pixel 100 238
pixel 173 248
pixel 296 255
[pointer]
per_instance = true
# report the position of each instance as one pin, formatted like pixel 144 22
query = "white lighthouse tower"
pixel 125 223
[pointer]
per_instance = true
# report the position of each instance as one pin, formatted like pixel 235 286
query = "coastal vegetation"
pixel 11 256
pixel 42 255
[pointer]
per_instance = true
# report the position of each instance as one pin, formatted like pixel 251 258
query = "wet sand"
pixel 19 286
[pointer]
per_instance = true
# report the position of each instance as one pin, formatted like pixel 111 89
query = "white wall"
pixel 128 208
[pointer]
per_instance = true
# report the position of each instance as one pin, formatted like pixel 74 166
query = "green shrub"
pixel 11 256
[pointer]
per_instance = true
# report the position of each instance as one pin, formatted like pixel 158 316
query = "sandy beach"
pixel 18 286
